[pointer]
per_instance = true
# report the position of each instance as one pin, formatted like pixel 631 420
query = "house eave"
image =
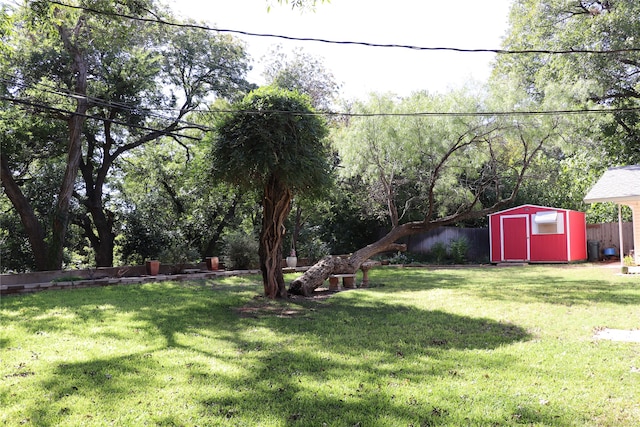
pixel 621 200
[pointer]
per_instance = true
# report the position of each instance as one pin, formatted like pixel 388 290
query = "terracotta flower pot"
pixel 213 263
pixel 153 267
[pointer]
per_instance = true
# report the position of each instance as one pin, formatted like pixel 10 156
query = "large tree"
pixel 118 83
pixel 273 142
pixel 426 171
pixel 596 65
pixel 580 76
pixel 302 72
pixel 307 74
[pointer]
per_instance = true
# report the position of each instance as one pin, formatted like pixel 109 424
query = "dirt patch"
pixel 254 310
pixel 293 307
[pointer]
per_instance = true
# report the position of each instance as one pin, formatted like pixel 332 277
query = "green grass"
pixel 476 346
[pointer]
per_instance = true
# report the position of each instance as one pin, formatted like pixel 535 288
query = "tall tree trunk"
pixel 61 210
pixel 297 227
pixel 276 204
pixel 215 236
pixel 74 152
pixel 101 218
pixel 32 226
pixel 103 241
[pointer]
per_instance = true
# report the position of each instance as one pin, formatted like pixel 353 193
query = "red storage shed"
pixel 530 233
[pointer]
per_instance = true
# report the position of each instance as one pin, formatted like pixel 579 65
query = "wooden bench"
pixel 348 281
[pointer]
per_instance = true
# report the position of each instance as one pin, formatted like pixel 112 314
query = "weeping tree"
pixel 274 143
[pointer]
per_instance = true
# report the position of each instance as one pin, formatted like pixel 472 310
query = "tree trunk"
pixel 61 210
pixel 317 274
pixel 106 238
pixel 102 242
pixel 74 152
pixel 101 221
pixel 276 204
pixel 297 227
pixel 32 226
pixel 214 239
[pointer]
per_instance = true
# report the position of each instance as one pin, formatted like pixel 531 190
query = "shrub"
pixel 438 252
pixel 315 249
pixel 179 254
pixel 400 258
pixel 459 248
pixel 240 250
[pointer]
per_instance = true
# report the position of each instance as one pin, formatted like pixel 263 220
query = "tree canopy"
pixel 113 84
pixel 608 79
pixel 304 73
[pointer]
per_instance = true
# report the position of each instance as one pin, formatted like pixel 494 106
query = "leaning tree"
pixel 273 142
pixel 428 170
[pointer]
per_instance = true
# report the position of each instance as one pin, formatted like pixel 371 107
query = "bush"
pixel 438 252
pixel 315 249
pixel 400 258
pixel 179 254
pixel 240 250
pixel 459 248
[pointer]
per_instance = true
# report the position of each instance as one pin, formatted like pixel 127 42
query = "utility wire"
pixel 100 102
pixel 41 106
pixel 158 20
pixel 582 111
pixel 150 111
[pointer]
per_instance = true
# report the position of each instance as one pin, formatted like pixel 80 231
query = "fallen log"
pixel 315 276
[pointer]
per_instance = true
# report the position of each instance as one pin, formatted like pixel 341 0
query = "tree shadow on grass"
pixel 566 292
pixel 526 284
pixel 386 353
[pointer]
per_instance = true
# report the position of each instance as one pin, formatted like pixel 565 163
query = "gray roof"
pixel 618 185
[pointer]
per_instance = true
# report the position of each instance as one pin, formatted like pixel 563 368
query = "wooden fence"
pixel 606 235
pixel 477 238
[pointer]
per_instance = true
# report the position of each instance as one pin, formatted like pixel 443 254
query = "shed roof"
pixel 617 185
pixel 535 207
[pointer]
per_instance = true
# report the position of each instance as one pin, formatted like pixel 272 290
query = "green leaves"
pixel 272 132
pixel 415 164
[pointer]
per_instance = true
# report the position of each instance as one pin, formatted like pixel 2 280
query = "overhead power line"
pixel 46 107
pixel 99 102
pixel 514 113
pixel 158 20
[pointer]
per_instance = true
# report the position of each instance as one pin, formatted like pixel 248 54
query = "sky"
pixel 469 24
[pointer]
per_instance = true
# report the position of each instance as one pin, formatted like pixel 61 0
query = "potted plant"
pixel 292 259
pixel 213 263
pixel 152 267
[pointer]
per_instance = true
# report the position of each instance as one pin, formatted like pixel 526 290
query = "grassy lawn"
pixel 477 346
